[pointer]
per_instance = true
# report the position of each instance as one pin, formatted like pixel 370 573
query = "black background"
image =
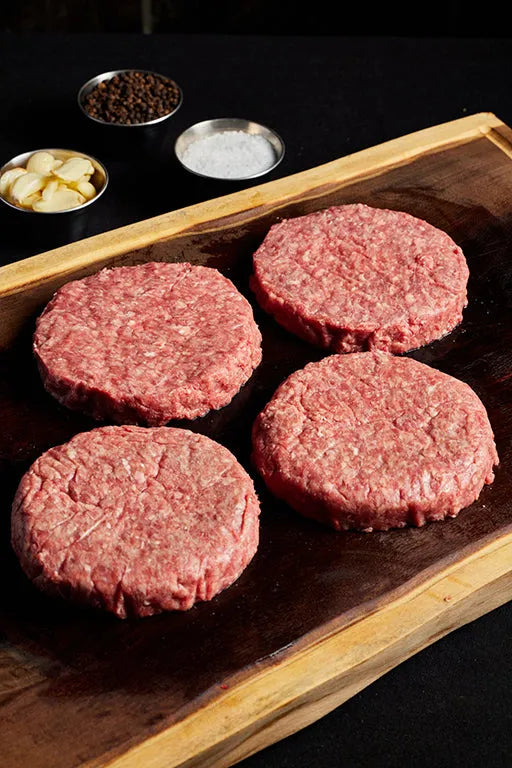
pixel 455 18
pixel 327 96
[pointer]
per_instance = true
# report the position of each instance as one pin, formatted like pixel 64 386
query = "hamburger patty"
pixel 134 520
pixel 371 441
pixel 353 278
pixel 147 344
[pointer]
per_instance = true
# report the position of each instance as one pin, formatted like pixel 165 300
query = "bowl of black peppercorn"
pixel 130 98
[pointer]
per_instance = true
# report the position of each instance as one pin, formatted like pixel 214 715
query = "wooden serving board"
pixel 317 615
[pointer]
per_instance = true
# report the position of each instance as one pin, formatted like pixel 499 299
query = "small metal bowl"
pixel 222 125
pixel 99 178
pixel 93 82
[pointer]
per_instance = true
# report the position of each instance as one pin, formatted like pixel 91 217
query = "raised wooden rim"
pixel 374 160
pixel 293 692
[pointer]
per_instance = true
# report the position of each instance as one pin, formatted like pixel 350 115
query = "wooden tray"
pixel 317 615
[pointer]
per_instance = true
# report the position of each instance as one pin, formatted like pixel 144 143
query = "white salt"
pixel 230 155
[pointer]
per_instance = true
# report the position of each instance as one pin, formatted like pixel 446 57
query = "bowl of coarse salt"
pixel 229 148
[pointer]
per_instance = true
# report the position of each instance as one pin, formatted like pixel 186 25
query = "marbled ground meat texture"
pixel 353 278
pixel 135 520
pixel 370 441
pixel 146 344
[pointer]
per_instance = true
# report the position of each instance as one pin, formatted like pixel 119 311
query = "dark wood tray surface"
pixel 88 683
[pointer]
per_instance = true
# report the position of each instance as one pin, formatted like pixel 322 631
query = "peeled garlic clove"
pixel 50 189
pixel 7 178
pixel 26 185
pixel 28 202
pixel 57 164
pixel 61 200
pixel 86 189
pixel 74 168
pixel 85 177
pixel 41 162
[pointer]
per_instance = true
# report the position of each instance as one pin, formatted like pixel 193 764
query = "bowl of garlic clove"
pixel 52 181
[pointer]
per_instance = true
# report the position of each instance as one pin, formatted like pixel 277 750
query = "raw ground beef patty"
pixel 371 441
pixel 354 278
pixel 134 520
pixel 147 344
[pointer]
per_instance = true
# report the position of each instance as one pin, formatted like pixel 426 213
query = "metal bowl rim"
pixel 66 210
pixel 108 76
pixel 236 119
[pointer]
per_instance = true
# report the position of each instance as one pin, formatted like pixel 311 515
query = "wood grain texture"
pixel 310 683
pixel 77 688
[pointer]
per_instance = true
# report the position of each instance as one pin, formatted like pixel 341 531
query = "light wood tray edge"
pixel 17 276
pixel 293 692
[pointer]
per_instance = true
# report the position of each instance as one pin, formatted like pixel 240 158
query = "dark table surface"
pixel 451 705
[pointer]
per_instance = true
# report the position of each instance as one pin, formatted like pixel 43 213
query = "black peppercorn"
pixel 132 97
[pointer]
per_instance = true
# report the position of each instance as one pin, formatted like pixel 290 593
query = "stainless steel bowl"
pixel 93 82
pixel 221 125
pixel 99 178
